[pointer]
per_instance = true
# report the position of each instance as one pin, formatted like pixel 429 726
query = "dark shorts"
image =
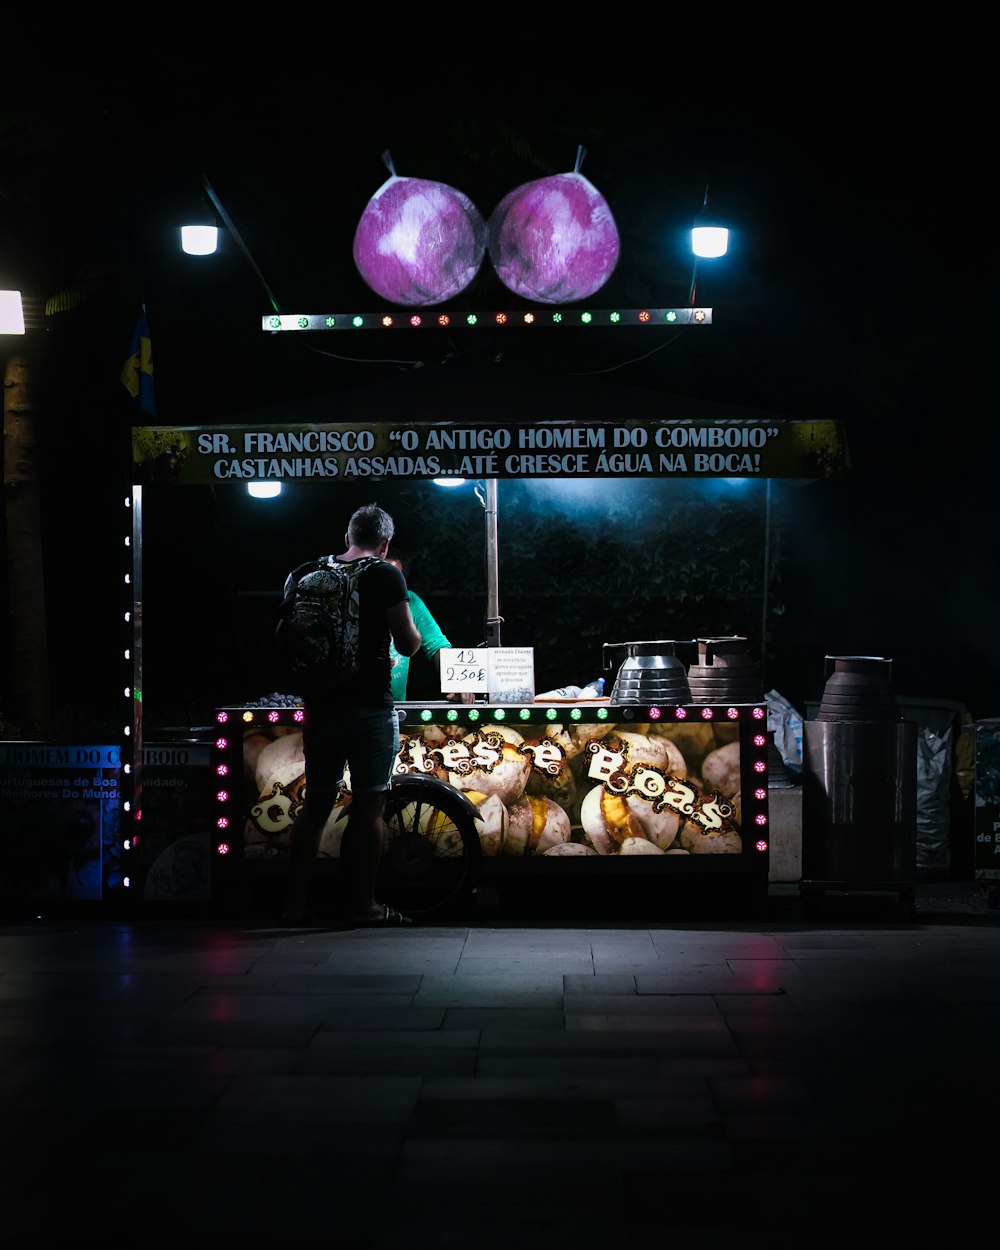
pixel 364 742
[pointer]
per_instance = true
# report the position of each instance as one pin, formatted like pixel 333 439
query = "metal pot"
pixel 725 672
pixel 858 689
pixel 649 672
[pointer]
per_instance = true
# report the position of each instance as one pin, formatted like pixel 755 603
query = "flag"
pixel 137 371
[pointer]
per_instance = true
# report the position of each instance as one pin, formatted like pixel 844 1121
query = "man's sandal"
pixel 392 919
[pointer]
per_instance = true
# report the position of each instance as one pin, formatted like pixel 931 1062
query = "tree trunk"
pixel 30 706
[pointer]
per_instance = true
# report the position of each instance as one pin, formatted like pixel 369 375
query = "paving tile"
pixel 484 1017
pixel 672 1029
pixel 499 989
pixel 497 1117
pixel 582 1066
pixel 765 977
pixel 600 983
pixel 357 1015
pixel 705 1037
pixel 635 1004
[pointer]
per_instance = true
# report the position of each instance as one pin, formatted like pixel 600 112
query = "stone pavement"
pixel 701 1082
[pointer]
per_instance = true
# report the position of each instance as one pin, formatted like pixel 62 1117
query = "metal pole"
pixel 492 569
pixel 767 580
pixel 238 238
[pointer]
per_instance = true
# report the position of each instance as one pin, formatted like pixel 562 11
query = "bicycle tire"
pixel 431 852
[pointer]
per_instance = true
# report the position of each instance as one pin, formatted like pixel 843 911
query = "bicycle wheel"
pixel 431 849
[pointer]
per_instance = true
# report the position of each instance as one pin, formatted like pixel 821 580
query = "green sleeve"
pixel 433 639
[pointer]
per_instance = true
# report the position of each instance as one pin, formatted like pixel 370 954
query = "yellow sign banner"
pixel 772 448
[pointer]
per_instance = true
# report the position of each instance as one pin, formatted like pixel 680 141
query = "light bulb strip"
pixel 436 319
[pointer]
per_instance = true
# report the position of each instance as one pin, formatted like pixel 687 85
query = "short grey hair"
pixel 370 526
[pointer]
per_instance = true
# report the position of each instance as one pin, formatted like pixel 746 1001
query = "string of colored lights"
pixel 404 319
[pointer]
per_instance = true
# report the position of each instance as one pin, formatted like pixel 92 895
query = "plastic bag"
pixel 785 723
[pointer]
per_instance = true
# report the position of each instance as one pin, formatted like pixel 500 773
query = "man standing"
pixel 356 727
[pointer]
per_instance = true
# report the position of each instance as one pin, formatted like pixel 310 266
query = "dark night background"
pixel 838 300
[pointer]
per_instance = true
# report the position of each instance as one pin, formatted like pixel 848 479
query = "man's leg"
pixel 360 853
pixel 373 755
pixel 303 845
pixel 325 758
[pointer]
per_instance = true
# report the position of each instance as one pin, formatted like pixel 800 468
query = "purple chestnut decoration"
pixel 418 242
pixel 554 240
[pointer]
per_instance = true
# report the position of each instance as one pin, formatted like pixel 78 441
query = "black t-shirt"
pixel 380 587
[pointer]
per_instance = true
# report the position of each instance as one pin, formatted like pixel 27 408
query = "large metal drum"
pixel 859 804
pixel 859 784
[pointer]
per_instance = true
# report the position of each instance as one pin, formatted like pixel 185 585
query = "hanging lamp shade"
pixel 709 241
pixel 554 240
pixel 418 242
pixel 11 313
pixel 199 240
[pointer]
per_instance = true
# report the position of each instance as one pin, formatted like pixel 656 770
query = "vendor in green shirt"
pixel 433 639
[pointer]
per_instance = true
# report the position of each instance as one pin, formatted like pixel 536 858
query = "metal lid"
pixel 858 689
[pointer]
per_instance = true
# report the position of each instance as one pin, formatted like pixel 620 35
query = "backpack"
pixel 318 625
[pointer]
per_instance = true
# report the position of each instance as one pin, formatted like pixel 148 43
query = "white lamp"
pixel 200 240
pixel 11 313
pixel 709 242
pixel 264 490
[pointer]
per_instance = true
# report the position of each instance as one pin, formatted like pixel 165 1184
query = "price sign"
pixel 464 669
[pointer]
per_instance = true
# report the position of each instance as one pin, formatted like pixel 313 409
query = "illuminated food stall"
pixel 646 781
pixel 558 790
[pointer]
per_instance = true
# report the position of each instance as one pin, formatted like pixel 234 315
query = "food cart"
pixel 560 792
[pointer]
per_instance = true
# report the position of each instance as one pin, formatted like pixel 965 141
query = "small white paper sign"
pixel 511 674
pixel 464 669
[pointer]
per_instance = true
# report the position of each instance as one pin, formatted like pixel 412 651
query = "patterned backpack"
pixel 319 622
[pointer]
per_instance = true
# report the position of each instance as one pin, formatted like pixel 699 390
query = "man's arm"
pixel 431 633
pixel 405 634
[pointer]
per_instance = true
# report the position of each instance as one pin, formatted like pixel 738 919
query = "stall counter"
pixel 557 787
